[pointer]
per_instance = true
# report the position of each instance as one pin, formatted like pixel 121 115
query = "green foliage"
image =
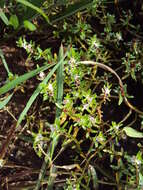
pixel 32 6
pixel 14 21
pixel 18 80
pixel 4 102
pixel 29 25
pixel 132 132
pixel 4 17
pixel 85 97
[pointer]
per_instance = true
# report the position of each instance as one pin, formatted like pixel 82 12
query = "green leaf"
pixel 5 63
pixel 2 3
pixel 12 84
pixel 72 9
pixel 140 179
pixel 29 25
pixel 38 90
pixel 120 99
pixel 4 102
pixel 60 82
pixel 132 132
pixel 93 173
pixel 34 95
pixel 14 21
pixel 32 6
pixel 4 17
pixel 54 141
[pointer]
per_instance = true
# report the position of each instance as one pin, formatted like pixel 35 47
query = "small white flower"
pixel 42 75
pixel 77 94
pixel 29 48
pixel 100 139
pixel 135 161
pixel 117 127
pixel 92 120
pixel 2 162
pixel 72 61
pixel 52 128
pixel 50 87
pixel 106 91
pixel 138 162
pixel 119 36
pixel 77 77
pixel 38 138
pixel 96 44
pixel 89 99
pixel 66 101
pixel 24 45
pixel 85 106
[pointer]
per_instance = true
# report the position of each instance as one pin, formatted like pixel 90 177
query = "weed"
pixel 78 85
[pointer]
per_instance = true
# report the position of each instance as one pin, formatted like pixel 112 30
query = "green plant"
pixel 78 130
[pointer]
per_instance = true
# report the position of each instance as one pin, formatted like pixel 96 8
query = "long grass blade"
pixel 55 136
pixel 35 94
pixel 12 84
pixel 4 102
pixel 5 63
pixel 32 6
pixel 37 91
pixel 72 9
pixel 4 17
pixel 60 83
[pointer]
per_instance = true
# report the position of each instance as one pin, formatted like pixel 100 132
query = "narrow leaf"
pixel 32 6
pixel 4 17
pixel 5 63
pixel 37 92
pixel 72 9
pixel 4 102
pixel 28 105
pixel 93 173
pixel 12 84
pixel 132 132
pixel 53 143
pixel 120 99
pixel 59 83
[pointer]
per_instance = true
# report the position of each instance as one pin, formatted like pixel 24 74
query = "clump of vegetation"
pixel 83 118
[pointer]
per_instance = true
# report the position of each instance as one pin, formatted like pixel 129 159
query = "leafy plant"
pixel 86 121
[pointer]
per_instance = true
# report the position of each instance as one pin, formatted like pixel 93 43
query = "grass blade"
pixel 55 140
pixel 72 9
pixel 34 95
pixel 12 84
pixel 32 6
pixel 37 91
pixel 4 17
pixel 5 63
pixel 60 83
pixel 4 102
pixel 55 136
